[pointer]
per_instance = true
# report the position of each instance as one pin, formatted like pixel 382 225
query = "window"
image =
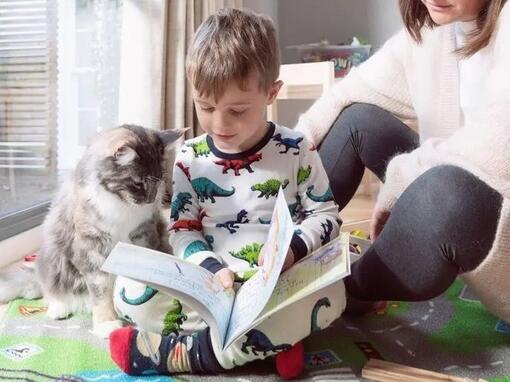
pixel 59 73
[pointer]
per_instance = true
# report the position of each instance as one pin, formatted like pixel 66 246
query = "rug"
pixel 452 334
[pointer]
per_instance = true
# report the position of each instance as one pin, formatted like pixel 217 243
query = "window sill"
pixel 15 247
pixel 22 220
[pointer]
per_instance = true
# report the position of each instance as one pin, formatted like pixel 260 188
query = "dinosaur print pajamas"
pixel 221 210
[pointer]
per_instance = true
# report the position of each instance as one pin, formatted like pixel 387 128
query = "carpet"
pixel 451 334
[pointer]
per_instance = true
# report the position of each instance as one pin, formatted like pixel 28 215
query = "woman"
pixel 445 201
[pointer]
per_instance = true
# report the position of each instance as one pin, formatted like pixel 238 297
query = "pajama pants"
pixel 147 309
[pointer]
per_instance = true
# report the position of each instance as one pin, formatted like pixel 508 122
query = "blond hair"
pixel 416 16
pixel 231 45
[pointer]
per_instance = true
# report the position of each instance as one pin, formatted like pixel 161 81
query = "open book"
pixel 231 314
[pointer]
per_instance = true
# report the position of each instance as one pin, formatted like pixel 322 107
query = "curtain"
pixel 156 34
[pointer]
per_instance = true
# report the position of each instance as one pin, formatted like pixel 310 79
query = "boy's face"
pixel 236 121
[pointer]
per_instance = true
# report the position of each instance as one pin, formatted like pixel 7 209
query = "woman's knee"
pixel 374 134
pixel 454 210
pixel 458 192
pixel 361 116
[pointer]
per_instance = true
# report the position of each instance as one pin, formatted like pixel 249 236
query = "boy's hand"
pixel 289 260
pixel 226 277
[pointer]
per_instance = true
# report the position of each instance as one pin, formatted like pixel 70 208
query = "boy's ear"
pixel 273 92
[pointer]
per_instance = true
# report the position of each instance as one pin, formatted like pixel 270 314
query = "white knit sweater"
pixel 419 83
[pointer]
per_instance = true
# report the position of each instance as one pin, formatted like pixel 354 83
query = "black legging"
pixel 443 224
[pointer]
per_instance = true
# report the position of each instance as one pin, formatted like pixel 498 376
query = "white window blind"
pixel 28 83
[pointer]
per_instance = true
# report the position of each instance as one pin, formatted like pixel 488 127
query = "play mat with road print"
pixel 452 334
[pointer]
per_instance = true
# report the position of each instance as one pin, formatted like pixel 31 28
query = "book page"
pixel 254 294
pixel 192 284
pixel 323 267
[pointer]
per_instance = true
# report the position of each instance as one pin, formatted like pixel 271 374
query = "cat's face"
pixel 133 163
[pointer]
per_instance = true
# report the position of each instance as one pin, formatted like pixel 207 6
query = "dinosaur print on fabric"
pixel 289 143
pixel 233 225
pixel 323 302
pixel 210 240
pixel 295 208
pixel 147 294
pixel 184 169
pixel 194 247
pixel 306 213
pixel 207 189
pixel 303 174
pixel 179 204
pixel 249 253
pixel 200 148
pixel 258 342
pixel 270 187
pixel 328 229
pixel 202 214
pixel 326 197
pixel 243 276
pixel 186 225
pixel 173 320
pixel 238 164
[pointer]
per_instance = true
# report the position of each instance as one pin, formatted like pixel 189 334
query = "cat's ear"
pixel 124 155
pixel 170 136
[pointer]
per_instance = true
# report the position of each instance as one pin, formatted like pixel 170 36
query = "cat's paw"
pixel 103 329
pixel 58 310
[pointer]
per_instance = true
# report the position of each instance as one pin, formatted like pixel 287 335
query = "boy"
pixel 226 182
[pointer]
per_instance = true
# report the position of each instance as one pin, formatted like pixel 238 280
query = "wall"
pixel 268 7
pixel 306 21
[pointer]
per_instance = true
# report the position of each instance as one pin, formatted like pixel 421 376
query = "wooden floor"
pixel 356 215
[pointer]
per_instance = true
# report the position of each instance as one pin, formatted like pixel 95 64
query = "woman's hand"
pixel 377 222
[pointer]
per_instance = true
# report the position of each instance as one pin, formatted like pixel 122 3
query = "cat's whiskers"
pixel 153 179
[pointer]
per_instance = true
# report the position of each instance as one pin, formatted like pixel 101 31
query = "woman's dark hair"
pixel 416 16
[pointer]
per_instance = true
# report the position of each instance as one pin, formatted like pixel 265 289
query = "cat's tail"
pixel 18 281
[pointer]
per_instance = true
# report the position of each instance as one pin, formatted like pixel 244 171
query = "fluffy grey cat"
pixel 113 195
